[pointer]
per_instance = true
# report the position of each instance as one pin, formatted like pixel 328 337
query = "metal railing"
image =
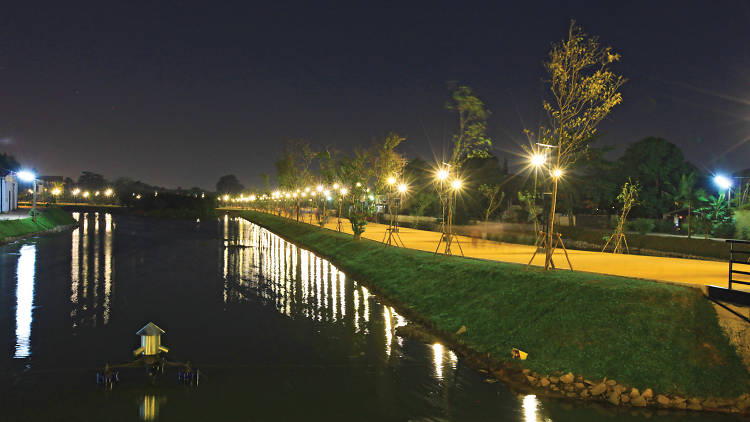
pixel 741 257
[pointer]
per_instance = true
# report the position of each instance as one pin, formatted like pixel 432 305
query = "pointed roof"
pixel 150 329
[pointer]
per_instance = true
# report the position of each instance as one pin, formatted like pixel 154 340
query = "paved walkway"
pixel 15 214
pixel 675 270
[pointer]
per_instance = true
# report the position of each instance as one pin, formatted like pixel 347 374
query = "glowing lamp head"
pixel 557 173
pixel 456 184
pixel 335 186
pixel 344 191
pixel 359 185
pixel 538 160
pixel 722 182
pixel 442 174
pixel 391 180
pixel 307 189
pixel 76 191
pixel 402 188
pixel 225 197
pixel 26 175
pixel 319 188
pixel 56 191
pixel 86 194
pixel 108 192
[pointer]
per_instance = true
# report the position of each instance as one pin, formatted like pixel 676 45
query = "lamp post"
pixel 725 183
pixel 29 176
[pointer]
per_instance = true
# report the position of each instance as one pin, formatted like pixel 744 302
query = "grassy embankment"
pixel 641 333
pixel 48 218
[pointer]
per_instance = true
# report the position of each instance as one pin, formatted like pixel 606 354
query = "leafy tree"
pixel 91 181
pixel 714 215
pixel 386 162
pixel 8 162
pixel 229 184
pixel 657 165
pixel 471 138
pixel 356 172
pixel 583 91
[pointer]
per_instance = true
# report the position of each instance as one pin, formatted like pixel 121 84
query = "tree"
pixel 8 162
pixel 686 195
pixel 714 214
pixel 293 166
pixel 229 184
pixel 356 172
pixel 583 91
pixel 91 181
pixel 628 197
pixel 470 139
pixel 657 165
pixel 494 197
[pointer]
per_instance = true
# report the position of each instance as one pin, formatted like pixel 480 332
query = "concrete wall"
pixel 8 193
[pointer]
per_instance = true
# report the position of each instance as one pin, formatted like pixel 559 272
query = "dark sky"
pixel 180 93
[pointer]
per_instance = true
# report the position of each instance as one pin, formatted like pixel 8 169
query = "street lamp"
pixel 724 183
pixel 537 160
pixel 29 176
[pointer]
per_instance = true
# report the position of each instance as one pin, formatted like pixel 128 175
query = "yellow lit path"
pixel 674 270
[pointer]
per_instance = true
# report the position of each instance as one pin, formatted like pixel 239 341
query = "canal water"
pixel 278 334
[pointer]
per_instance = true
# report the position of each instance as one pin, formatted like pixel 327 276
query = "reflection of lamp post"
pixel 28 176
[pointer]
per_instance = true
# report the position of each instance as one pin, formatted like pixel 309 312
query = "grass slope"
pixel 48 218
pixel 641 333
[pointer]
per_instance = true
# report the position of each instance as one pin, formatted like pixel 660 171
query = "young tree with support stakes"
pixel 388 167
pixel 469 141
pixel 494 197
pixel 628 197
pixel 583 90
pixel 293 168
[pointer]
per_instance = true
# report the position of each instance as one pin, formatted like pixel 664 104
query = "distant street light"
pixel 456 184
pixel 724 183
pixel 557 173
pixel 29 176
pixel 402 188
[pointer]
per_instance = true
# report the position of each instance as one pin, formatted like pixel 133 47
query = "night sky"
pixel 180 93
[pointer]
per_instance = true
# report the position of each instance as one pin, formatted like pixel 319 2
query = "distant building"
pixel 8 192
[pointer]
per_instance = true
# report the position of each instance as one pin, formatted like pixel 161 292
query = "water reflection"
pixel 24 299
pixel 149 408
pixel 92 269
pixel 300 284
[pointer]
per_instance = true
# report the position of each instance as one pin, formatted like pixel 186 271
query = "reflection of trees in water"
pixel 92 269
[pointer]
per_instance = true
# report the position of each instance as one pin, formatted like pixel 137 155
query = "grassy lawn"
pixel 640 333
pixel 48 218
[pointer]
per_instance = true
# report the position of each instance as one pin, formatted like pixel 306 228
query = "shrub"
pixel 724 230
pixel 643 225
pixel 664 226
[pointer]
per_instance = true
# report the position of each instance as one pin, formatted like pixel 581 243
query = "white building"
pixel 8 192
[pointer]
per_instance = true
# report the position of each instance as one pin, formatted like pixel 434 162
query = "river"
pixel 277 332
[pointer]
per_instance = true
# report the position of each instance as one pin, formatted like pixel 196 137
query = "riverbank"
pixel 48 219
pixel 646 335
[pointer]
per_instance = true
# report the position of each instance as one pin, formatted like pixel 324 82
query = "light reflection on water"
pixel 92 265
pixel 301 284
pixel 25 299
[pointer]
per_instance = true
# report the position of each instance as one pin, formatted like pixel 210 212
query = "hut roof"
pixel 150 329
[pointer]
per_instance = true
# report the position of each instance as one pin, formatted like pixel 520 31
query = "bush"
pixel 724 230
pixel 664 226
pixel 642 225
